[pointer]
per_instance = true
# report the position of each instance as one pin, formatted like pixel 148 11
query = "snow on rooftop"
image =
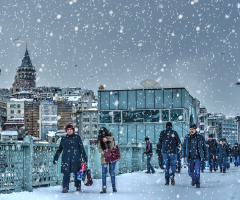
pixel 9 133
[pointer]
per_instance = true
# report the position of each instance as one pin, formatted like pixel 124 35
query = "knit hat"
pixel 210 136
pixel 69 126
pixel 169 124
pixel 193 126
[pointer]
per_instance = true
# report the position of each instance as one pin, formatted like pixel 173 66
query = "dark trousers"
pixel 194 169
pixel 223 163
pixel 236 161
pixel 212 162
pixel 170 160
pixel 178 163
pixel 66 180
pixel 160 162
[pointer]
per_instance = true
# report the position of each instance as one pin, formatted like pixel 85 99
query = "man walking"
pixel 169 141
pixel 149 154
pixel 236 153
pixel 195 150
pixel 222 153
pixel 212 151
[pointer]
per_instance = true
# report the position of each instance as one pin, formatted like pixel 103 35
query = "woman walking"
pixel 73 154
pixel 105 143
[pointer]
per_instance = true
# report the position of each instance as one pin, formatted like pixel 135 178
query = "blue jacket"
pixel 73 153
pixel 212 146
pixel 222 150
pixel 201 147
pixel 169 141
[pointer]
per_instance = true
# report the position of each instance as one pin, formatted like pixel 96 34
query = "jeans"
pixel 111 172
pixel 66 180
pixel 194 169
pixel 212 162
pixel 236 161
pixel 223 163
pixel 170 160
pixel 149 166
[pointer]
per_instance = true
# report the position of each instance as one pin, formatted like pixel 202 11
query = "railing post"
pixel 129 157
pixel 140 157
pixel 28 163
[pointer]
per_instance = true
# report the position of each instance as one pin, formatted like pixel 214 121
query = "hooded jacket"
pixel 222 150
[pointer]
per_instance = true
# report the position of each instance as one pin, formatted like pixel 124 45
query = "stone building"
pixel 25 79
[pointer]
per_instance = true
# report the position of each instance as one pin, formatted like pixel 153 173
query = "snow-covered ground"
pixel 139 185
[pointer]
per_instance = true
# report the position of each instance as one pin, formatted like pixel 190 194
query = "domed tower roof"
pixel 26 60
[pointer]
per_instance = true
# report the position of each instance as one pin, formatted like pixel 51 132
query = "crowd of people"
pixel 195 152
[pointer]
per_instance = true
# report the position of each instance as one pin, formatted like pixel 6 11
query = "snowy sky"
pixel 87 43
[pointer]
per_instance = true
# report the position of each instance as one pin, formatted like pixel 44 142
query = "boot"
pixel 114 188
pixel 193 182
pixel 167 182
pixel 65 190
pixel 172 180
pixel 78 189
pixel 104 190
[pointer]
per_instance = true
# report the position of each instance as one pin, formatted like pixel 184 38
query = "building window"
pixel 85 113
pixel 19 111
pixel 165 115
pixel 202 128
pixel 94 126
pixel 177 115
pixel 86 132
pixel 12 105
pixel 85 119
pixel 117 117
pixel 94 119
pixel 105 117
pixel 19 105
pixel 12 111
pixel 95 132
pixel 141 116
pixel 202 119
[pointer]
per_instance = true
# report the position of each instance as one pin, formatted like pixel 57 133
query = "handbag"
pixel 112 155
pixel 89 181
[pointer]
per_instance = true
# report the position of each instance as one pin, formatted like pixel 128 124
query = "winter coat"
pixel 149 148
pixel 201 147
pixel 169 141
pixel 111 145
pixel 73 153
pixel 212 146
pixel 222 150
pixel 235 151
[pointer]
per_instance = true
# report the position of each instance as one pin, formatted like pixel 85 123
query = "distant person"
pixel 236 154
pixel 160 158
pixel 169 141
pixel 212 152
pixel 149 154
pixel 73 154
pixel 106 142
pixel 195 150
pixel 222 155
pixel 178 164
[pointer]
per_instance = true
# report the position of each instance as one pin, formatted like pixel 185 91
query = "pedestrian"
pixel 149 154
pixel 212 151
pixel 229 153
pixel 222 155
pixel 169 141
pixel 235 154
pixel 195 150
pixel 160 158
pixel 73 155
pixel 105 143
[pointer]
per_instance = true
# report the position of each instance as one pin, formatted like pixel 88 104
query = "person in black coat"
pixel 212 151
pixel 160 157
pixel 169 141
pixel 235 154
pixel 73 154
pixel 222 155
pixel 149 154
pixel 195 150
